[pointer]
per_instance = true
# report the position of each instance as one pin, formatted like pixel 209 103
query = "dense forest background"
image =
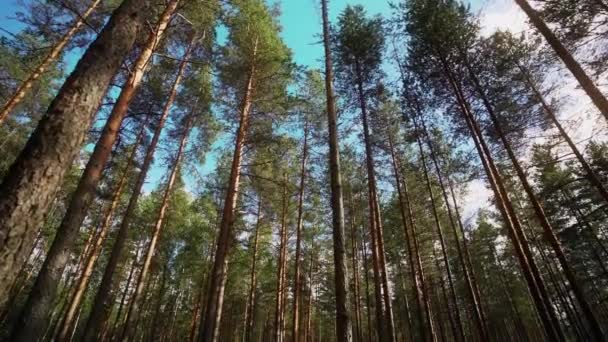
pixel 169 172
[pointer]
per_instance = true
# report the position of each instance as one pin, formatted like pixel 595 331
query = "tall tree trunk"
pixel 51 57
pixel 368 302
pixel 598 99
pixel 518 238
pixel 133 312
pixel 591 175
pixel 297 286
pixel 83 281
pixel 31 183
pixel 307 327
pixel 458 331
pixel 125 293
pixel 384 314
pixel 343 321
pixel 40 299
pixel 279 333
pixel 549 233
pixel 103 299
pixel 478 312
pixel 355 262
pixel 423 314
pixel 209 329
pixel 249 317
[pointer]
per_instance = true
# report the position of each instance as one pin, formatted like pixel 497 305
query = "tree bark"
pixel 598 99
pixel 384 315
pixel 209 328
pixel 549 233
pixel 475 300
pixel 30 185
pixel 45 286
pixel 458 330
pixel 51 57
pixel 66 326
pixel 296 287
pixel 355 262
pixel 417 281
pixel 343 320
pixel 133 312
pixel 249 317
pixel 518 238
pixel 102 302
pixel 279 333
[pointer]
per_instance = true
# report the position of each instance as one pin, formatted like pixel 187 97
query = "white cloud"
pixel 500 15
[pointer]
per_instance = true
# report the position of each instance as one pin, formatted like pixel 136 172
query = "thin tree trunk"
pixel 368 303
pixel 458 331
pixel 31 183
pixel 548 230
pixel 124 294
pixel 279 334
pixel 478 312
pixel 416 280
pixel 296 287
pixel 102 302
pixel 38 304
pixel 209 329
pixel 598 99
pixel 249 319
pixel 50 58
pixel 591 175
pixel 518 238
pixel 343 321
pixel 355 262
pixel 83 281
pixel 133 312
pixel 307 327
pixel 384 316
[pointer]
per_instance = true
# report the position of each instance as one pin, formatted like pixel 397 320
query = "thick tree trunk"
pixel 279 333
pixel 417 283
pixel 518 238
pixel 475 300
pixel 50 58
pixel 30 185
pixel 549 233
pixel 81 285
pixel 103 299
pixel 295 333
pixel 598 99
pixel 458 331
pixel 343 320
pixel 38 304
pixel 133 312
pixel 209 328
pixel 249 317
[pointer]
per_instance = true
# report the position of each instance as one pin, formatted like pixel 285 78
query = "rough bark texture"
pixel 45 286
pixel 51 57
pixel 81 285
pixel 32 181
pixel 209 328
pixel 598 99
pixel 343 321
